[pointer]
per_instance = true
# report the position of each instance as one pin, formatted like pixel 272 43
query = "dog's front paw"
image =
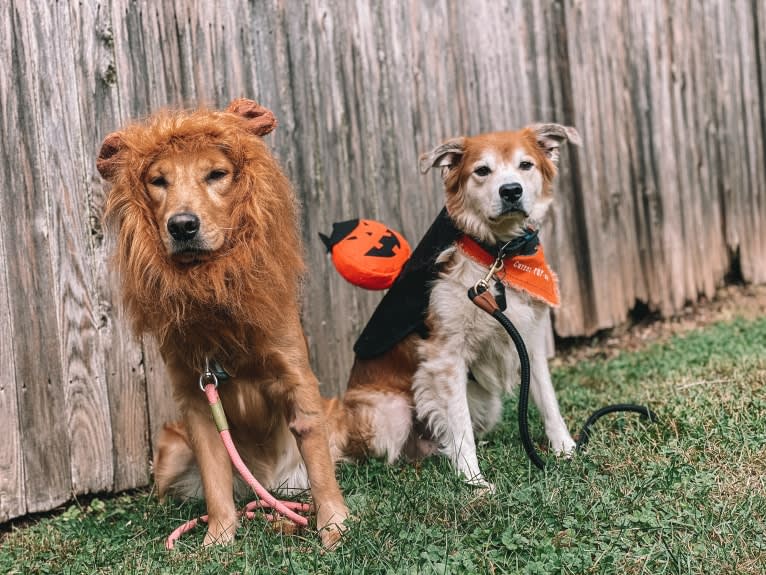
pixel 482 485
pixel 331 524
pixel 483 488
pixel 563 446
pixel 219 533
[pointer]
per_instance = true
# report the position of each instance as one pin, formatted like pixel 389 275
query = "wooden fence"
pixel 663 199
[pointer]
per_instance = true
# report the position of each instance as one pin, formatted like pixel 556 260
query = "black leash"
pixel 483 298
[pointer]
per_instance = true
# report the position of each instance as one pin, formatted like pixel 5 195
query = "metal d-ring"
pixel 207 377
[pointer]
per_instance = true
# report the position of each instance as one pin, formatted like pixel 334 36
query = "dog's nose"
pixel 183 226
pixel 511 193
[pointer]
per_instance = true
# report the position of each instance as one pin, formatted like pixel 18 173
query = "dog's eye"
pixel 526 165
pixel 482 171
pixel 216 175
pixel 159 182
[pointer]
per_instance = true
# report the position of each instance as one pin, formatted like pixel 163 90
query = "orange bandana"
pixel 525 273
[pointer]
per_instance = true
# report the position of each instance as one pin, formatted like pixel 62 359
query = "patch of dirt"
pixel 732 301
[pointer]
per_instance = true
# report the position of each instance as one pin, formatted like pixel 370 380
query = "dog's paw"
pixel 483 487
pixel 563 446
pixel 331 535
pixel 331 524
pixel 219 535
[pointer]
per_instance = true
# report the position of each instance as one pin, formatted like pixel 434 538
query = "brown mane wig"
pixel 246 283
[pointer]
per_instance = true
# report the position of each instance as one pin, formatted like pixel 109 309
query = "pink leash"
pixel 208 382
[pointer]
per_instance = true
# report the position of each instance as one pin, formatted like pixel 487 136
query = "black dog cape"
pixel 403 309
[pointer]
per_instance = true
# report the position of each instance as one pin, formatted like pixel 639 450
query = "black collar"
pixel 218 370
pixel 524 245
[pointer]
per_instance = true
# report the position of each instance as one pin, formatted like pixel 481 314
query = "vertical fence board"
pixel 741 135
pixel 68 164
pixel 32 283
pixel 758 15
pixel 121 355
pixel 125 84
pixel 159 392
pixel 12 496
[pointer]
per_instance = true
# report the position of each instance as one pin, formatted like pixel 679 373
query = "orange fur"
pixel 230 293
pixel 251 279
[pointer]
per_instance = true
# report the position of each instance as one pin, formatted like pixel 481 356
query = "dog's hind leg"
pixel 175 472
pixel 374 423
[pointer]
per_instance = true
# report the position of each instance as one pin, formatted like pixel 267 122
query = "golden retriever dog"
pixel 209 255
pixel 439 377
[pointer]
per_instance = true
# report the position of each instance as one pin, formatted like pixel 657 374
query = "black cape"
pixel 403 309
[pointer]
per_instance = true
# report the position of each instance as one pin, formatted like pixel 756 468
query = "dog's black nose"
pixel 511 193
pixel 183 226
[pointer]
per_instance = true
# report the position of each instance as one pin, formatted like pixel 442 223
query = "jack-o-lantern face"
pixel 367 253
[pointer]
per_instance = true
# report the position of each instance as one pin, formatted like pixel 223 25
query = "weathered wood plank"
pixel 121 355
pixel 122 88
pixel 12 492
pixel 741 136
pixel 26 204
pixel 12 495
pixel 70 171
pixel 758 15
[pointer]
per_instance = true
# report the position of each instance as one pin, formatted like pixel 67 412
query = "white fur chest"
pixel 479 339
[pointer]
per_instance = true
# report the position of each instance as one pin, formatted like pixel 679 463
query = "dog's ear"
pixel 108 156
pixel 551 136
pixel 445 155
pixel 259 120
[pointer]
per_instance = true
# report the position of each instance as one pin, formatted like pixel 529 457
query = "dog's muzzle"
pixel 510 195
pixel 186 243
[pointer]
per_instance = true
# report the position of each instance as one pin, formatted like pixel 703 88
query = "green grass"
pixel 687 495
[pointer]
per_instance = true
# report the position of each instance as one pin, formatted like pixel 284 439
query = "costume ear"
pixel 260 121
pixel 108 156
pixel 550 137
pixel 445 155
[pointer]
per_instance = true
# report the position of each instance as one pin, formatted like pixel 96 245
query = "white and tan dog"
pixel 442 386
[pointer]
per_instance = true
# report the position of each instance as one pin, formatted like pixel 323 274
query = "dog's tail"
pixel 370 422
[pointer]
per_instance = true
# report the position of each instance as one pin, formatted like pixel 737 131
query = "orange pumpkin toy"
pixel 367 253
